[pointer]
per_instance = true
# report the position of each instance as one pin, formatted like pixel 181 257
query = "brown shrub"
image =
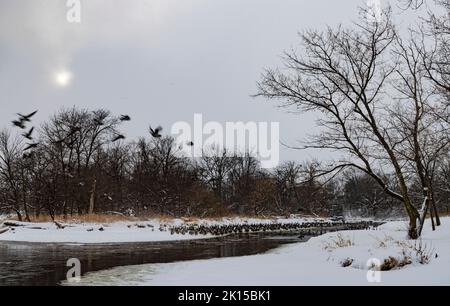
pixel 347 262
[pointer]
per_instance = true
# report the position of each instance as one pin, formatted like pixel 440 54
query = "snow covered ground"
pixel 92 233
pixel 142 231
pixel 320 261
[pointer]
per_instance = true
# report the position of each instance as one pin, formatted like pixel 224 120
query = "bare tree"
pixel 343 74
pixel 436 57
pixel 216 165
pixel 10 154
pixel 153 176
pixel 364 197
pixel 287 176
pixel 74 137
pixel 422 134
pixel 242 180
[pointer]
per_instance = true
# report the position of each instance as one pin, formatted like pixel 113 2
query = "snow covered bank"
pixel 142 231
pixel 320 261
pixel 92 233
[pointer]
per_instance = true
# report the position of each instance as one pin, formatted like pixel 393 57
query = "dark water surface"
pixel 23 264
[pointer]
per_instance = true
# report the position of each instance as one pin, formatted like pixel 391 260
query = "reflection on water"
pixel 45 264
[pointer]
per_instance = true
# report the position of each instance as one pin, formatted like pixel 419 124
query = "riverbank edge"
pixel 153 230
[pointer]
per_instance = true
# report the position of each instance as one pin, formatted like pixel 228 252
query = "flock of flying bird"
pixel 22 121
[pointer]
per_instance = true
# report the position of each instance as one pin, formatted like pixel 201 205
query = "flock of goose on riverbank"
pixel 308 228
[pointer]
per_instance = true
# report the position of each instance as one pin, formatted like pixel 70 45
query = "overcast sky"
pixel 160 61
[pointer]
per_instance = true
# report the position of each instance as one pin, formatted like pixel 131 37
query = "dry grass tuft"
pixel 411 252
pixel 347 262
pixel 117 217
pixel 94 218
pixel 384 243
pixel 339 242
pixel 417 250
pixel 391 263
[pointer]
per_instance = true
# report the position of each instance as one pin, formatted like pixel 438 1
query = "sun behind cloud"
pixel 63 78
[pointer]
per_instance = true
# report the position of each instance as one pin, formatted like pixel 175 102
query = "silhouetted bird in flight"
pixel 28 134
pixel 118 137
pixel 125 118
pixel 27 118
pixel 156 132
pixel 19 123
pixel 30 146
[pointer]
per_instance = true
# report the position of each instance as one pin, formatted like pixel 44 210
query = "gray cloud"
pixel 161 61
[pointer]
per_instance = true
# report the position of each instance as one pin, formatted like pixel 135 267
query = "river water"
pixel 28 264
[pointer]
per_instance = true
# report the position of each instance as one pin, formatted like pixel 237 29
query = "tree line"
pixel 78 166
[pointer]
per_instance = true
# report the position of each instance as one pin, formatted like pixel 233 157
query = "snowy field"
pixel 320 261
pixel 142 231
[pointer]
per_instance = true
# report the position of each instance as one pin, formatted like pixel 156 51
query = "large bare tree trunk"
pixel 423 216
pixel 436 214
pixel 433 207
pixel 427 205
pixel 19 215
pixel 433 226
pixel 413 216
